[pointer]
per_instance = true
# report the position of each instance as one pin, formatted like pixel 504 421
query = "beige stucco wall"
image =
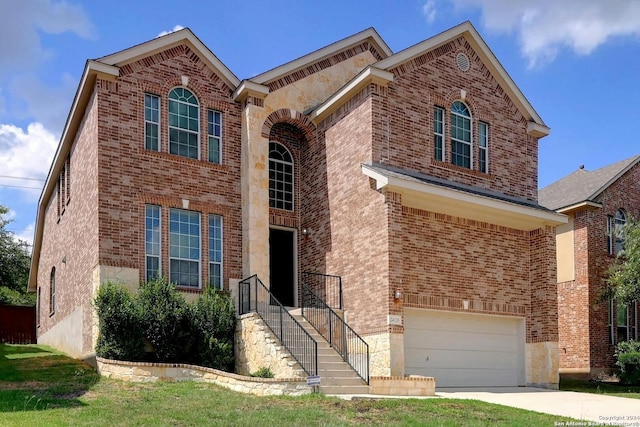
pixel 565 256
pixel 542 365
pixel 66 335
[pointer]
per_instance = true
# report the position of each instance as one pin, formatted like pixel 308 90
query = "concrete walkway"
pixel 595 408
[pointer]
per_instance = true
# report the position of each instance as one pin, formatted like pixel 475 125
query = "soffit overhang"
pixel 463 204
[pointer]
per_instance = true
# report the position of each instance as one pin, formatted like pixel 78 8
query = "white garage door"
pixel 464 350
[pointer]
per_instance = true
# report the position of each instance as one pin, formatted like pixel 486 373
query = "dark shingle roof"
pixel 582 185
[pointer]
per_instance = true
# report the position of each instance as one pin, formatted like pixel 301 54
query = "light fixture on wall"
pixel 397 294
pixel 305 231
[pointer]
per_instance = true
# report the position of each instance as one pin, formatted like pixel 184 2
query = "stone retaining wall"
pixel 172 372
pixel 411 385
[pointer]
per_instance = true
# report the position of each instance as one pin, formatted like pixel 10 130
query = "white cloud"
pixel 547 26
pixel 173 30
pixel 26 154
pixel 26 234
pixel 429 11
pixel 20 22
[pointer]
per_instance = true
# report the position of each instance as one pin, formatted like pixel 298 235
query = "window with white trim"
pixel 438 133
pixel 152 241
pixel 214 130
pixel 52 291
pixel 280 177
pixel 215 251
pixel 184 248
pixel 151 122
pixel 184 123
pixel 483 147
pixel 615 236
pixel 625 327
pixel 461 143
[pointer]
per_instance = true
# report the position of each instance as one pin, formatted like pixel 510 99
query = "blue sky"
pixel 577 61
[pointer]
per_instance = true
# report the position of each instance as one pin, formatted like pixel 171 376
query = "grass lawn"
pixel 41 387
pixel 610 389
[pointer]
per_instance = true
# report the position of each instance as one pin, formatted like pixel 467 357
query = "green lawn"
pixel 41 387
pixel 610 389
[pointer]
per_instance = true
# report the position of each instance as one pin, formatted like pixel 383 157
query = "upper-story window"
pixel 483 147
pixel 280 177
pixel 438 133
pixel 184 123
pixel 214 130
pixel 615 237
pixel 151 122
pixel 461 144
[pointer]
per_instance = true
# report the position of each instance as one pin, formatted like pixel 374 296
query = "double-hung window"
pixel 483 147
pixel 215 251
pixel 626 322
pixel 214 129
pixel 152 241
pixel 461 145
pixel 438 133
pixel 184 248
pixel 184 123
pixel 615 236
pixel 151 122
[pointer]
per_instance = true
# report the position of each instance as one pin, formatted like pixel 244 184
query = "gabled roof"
pixel 159 44
pixel 536 126
pixel 369 35
pixel 582 187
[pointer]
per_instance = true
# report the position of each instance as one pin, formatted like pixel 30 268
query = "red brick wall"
pixel 73 236
pixel 130 176
pixel 433 79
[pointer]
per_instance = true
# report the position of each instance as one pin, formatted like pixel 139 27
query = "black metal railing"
pixel 325 286
pixel 253 295
pixel 351 347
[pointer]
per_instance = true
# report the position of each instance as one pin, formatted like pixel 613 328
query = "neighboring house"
pixel 598 203
pixel 412 175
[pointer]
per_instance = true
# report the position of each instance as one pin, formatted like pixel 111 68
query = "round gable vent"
pixel 462 61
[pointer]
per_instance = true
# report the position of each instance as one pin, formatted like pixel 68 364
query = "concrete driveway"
pixel 597 408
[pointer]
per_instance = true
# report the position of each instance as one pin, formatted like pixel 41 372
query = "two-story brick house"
pixel 411 175
pixel 597 203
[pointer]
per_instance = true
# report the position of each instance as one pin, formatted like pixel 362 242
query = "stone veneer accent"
pixel 256 347
pixel 542 363
pixel 173 372
pixel 412 385
pixel 383 361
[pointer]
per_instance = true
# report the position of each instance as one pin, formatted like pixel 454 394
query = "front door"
pixel 282 265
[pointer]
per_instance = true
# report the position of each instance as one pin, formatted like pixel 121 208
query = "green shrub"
pixel 214 327
pixel 10 296
pixel 166 320
pixel 120 334
pixel 628 359
pixel 263 372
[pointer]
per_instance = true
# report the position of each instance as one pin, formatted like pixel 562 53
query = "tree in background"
pixel 14 266
pixel 624 275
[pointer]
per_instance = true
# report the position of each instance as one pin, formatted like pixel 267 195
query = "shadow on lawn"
pixel 38 378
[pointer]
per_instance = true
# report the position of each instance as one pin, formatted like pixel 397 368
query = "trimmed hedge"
pixel 158 318
pixel 628 359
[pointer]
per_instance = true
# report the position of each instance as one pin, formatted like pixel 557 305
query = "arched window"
pixel 52 291
pixel 614 232
pixel 280 177
pixel 461 145
pixel 184 123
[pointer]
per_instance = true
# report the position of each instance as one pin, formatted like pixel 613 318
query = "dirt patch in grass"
pixel 23 385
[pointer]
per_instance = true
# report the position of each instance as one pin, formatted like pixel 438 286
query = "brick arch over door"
pixel 291 117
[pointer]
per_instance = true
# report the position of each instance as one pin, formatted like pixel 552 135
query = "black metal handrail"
pixel 253 295
pixel 349 345
pixel 326 286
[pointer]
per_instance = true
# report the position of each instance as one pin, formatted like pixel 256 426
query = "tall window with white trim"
pixel 184 123
pixel 483 147
pixel 152 241
pixel 280 177
pixel 461 144
pixel 184 248
pixel 215 251
pixel 214 129
pixel 151 122
pixel 615 237
pixel 438 133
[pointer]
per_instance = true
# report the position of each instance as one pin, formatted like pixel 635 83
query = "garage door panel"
pixel 462 349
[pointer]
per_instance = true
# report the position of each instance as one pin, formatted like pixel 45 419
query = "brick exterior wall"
pixel 585 340
pixel 131 176
pixel 73 236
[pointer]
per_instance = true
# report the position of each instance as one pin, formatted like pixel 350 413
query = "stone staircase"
pixel 336 376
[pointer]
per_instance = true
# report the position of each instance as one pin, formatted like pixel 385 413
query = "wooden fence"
pixel 17 324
